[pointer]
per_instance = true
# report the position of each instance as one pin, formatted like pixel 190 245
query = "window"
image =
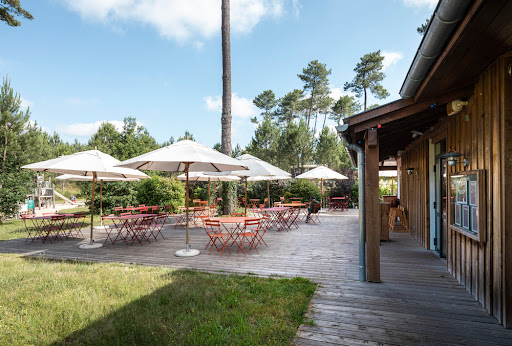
pixel 467 203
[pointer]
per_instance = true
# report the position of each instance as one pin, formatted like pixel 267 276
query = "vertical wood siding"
pixel 477 133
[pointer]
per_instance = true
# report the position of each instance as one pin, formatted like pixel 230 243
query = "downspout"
pixel 342 132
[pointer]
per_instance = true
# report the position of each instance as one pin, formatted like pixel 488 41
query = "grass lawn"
pixel 15 228
pixel 53 302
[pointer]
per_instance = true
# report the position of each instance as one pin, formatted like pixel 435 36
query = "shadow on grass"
pixel 201 308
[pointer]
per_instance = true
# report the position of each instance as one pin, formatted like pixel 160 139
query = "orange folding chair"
pixel 179 218
pixel 215 234
pixel 248 235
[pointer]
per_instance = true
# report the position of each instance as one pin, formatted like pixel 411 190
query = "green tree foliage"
pixel 14 188
pixel 264 143
pixel 344 107
pixel 303 188
pixel 316 83
pixel 115 194
pixel 375 105
pixel 266 101
pixel 368 77
pixel 187 135
pixel 9 9
pixel 132 141
pixel 288 107
pixel 296 145
pixel 330 152
pixel 161 191
pixel 422 29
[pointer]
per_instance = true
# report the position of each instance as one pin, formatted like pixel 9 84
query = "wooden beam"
pixel 376 112
pixel 372 208
pixel 410 110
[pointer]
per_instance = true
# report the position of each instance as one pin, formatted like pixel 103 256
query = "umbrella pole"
pixel 268 193
pixel 214 193
pixel 101 202
pixel 186 202
pixel 208 191
pixel 92 206
pixel 245 195
pixel 187 252
pixel 392 185
pixel 321 192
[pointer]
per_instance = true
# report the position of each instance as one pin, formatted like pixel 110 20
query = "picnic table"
pixel 234 225
pixel 337 203
pixel 279 217
pixel 134 227
pixel 49 227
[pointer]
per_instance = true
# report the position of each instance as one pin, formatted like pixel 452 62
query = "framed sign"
pixel 467 210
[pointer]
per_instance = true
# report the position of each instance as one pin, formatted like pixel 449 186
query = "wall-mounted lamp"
pixel 452 157
pixel 410 171
pixel 455 107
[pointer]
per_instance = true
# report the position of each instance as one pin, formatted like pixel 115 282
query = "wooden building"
pixel 451 134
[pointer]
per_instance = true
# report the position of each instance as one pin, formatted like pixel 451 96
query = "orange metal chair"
pixel 247 233
pixel 213 230
pixel 179 218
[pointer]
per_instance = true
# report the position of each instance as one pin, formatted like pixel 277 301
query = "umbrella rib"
pixel 218 170
pixel 147 162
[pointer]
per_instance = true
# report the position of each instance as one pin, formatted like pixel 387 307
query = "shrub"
pixel 13 190
pixel 115 194
pixel 303 188
pixel 161 191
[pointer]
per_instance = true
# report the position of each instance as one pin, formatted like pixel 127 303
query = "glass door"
pixel 441 200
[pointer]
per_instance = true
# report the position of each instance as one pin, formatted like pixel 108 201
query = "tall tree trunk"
pixel 365 99
pixel 314 128
pixel 310 107
pixel 226 94
pixel 325 118
pixel 5 148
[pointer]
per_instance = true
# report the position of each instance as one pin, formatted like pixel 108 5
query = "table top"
pixel 338 197
pixel 234 219
pixel 44 217
pixel 192 208
pixel 128 217
pixel 293 204
pixel 298 198
pixel 274 209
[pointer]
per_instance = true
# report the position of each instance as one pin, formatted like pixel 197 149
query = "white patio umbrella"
pixel 72 177
pixel 184 156
pixel 257 169
pixel 202 176
pixel 321 173
pixel 91 163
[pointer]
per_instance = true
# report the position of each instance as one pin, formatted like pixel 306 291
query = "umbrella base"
pixel 187 253
pixel 91 245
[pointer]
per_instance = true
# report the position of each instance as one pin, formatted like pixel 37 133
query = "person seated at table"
pixel 312 204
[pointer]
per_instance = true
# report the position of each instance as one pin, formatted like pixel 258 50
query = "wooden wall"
pixel 478 133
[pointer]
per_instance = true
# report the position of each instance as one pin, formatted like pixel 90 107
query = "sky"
pixel 83 62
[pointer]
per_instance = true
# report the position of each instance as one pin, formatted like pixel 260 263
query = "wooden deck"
pixel 418 302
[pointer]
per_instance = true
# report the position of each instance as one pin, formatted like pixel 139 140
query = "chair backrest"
pixel 316 208
pixel 196 202
pixel 118 208
pixel 238 214
pixel 78 215
pixel 125 214
pixel 249 223
pixel 142 205
pixel 212 226
pixel 58 217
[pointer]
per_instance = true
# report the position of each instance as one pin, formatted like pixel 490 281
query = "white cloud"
pixel 177 19
pixel 26 103
pixel 390 58
pixel 336 93
pixel 420 3
pixel 241 107
pixel 88 129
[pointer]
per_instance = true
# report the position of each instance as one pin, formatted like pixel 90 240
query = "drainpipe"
pixel 342 132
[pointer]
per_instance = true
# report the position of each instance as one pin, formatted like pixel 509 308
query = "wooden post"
pixel 506 159
pixel 209 201
pixel 372 207
pixel 101 199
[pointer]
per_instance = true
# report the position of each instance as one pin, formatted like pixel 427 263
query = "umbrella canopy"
pixel 322 173
pixel 92 163
pixel 185 156
pixel 86 163
pixel 258 170
pixel 174 158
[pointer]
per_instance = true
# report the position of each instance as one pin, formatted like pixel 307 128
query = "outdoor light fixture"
pixel 452 156
pixel 410 171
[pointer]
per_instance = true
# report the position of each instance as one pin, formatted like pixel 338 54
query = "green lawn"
pixel 53 302
pixel 14 229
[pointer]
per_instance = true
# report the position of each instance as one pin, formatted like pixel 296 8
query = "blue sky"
pixel 82 62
